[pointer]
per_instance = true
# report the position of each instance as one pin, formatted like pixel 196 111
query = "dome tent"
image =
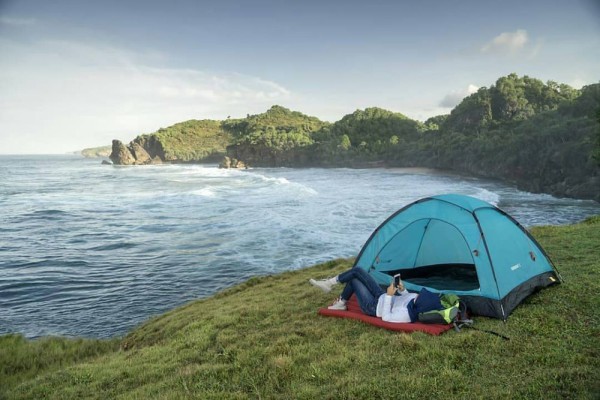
pixel 459 244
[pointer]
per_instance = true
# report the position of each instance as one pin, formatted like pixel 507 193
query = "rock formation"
pixel 134 154
pixel 120 154
pixel 141 156
pixel 232 163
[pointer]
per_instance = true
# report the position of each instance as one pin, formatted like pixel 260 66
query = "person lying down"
pixel 395 304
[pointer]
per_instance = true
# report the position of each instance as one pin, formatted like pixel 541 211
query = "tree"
pixel 345 143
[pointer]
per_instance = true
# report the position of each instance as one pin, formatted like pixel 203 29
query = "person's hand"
pixel 391 290
pixel 400 286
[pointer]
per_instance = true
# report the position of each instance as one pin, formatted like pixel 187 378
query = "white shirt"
pixel 393 308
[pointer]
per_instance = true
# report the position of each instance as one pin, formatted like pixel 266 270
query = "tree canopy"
pixel 275 137
pixel 189 141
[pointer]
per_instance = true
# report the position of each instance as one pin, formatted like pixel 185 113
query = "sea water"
pixel 93 250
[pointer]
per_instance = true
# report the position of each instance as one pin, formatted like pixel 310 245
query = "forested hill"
pixel 278 137
pixel 543 137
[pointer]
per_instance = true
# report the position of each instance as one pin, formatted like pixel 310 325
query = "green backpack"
pixel 453 312
pixel 450 312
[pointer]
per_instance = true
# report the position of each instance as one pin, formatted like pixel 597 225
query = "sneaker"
pixel 338 305
pixel 322 284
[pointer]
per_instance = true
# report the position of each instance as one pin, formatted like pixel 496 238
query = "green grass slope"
pixel 263 339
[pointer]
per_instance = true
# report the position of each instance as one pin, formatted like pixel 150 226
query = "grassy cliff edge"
pixel 263 339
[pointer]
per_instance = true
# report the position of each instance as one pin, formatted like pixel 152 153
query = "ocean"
pixel 93 250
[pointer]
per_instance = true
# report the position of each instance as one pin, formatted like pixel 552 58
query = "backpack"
pixel 452 311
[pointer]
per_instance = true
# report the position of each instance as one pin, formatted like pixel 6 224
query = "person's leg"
pixel 362 276
pixel 366 289
pixel 324 284
pixel 366 299
pixel 356 279
pixel 340 303
pixel 347 292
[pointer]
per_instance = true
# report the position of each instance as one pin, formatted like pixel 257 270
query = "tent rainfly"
pixel 459 244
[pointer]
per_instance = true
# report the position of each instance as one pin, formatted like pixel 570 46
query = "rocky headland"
pixel 133 154
pixel 191 141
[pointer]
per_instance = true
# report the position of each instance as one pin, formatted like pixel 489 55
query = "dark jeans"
pixel 367 290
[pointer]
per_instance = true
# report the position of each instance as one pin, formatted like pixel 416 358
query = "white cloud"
pixel 456 96
pixel 60 95
pixel 507 43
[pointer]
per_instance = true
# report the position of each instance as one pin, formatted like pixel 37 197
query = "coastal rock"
pixel 153 146
pixel 140 154
pixel 232 163
pixel 106 162
pixel 226 163
pixel 583 189
pixel 120 154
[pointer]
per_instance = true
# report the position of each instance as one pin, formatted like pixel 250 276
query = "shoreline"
pixel 525 186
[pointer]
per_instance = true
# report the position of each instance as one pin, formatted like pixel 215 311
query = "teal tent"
pixel 459 244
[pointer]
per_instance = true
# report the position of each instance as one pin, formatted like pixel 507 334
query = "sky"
pixel 77 74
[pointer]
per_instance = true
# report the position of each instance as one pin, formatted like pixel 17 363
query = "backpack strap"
pixel 463 321
pixel 486 331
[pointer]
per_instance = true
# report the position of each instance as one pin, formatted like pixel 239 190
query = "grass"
pixel 263 339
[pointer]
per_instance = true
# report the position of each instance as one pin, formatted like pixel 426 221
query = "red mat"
pixel 354 312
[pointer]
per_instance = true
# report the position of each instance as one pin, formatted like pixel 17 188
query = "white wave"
pixel 304 189
pixel 209 172
pixel 281 181
pixel 284 181
pixel 205 192
pixel 486 195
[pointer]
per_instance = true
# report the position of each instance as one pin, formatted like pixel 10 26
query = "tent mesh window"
pixel 442 276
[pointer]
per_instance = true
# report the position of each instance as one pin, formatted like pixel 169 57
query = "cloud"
pixel 64 95
pixel 507 43
pixel 455 97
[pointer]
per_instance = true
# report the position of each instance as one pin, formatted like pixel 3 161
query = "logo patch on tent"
pixel 516 266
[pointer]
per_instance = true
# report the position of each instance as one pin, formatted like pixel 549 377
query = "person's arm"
pixel 398 313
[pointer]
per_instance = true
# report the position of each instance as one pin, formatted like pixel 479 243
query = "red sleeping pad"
pixel 354 312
